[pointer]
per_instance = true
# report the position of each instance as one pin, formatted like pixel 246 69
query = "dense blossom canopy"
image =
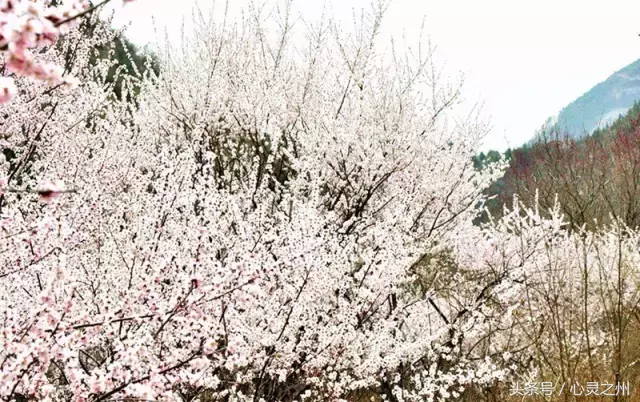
pixel 261 221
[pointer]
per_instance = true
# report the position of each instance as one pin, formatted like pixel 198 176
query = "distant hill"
pixel 604 121
pixel 592 173
pixel 601 105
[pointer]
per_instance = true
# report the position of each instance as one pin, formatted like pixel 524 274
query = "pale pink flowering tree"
pixel 255 227
pixel 41 115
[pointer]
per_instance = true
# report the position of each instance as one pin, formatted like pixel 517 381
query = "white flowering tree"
pixel 269 221
pixel 575 311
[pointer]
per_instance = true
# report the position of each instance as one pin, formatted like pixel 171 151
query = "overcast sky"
pixel 524 60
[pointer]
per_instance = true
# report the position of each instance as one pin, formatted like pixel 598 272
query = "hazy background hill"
pixel 601 105
pixel 588 157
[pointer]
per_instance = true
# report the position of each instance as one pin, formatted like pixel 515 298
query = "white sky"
pixel 523 60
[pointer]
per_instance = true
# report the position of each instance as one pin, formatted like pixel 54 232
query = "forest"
pixel 290 212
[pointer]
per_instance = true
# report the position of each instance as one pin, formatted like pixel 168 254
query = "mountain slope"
pixel 603 103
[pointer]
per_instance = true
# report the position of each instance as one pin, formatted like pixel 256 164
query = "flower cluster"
pixel 27 25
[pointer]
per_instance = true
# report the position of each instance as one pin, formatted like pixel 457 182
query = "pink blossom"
pixel 7 89
pixel 51 190
pixel 30 24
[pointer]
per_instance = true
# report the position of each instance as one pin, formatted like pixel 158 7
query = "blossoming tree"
pixel 266 222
